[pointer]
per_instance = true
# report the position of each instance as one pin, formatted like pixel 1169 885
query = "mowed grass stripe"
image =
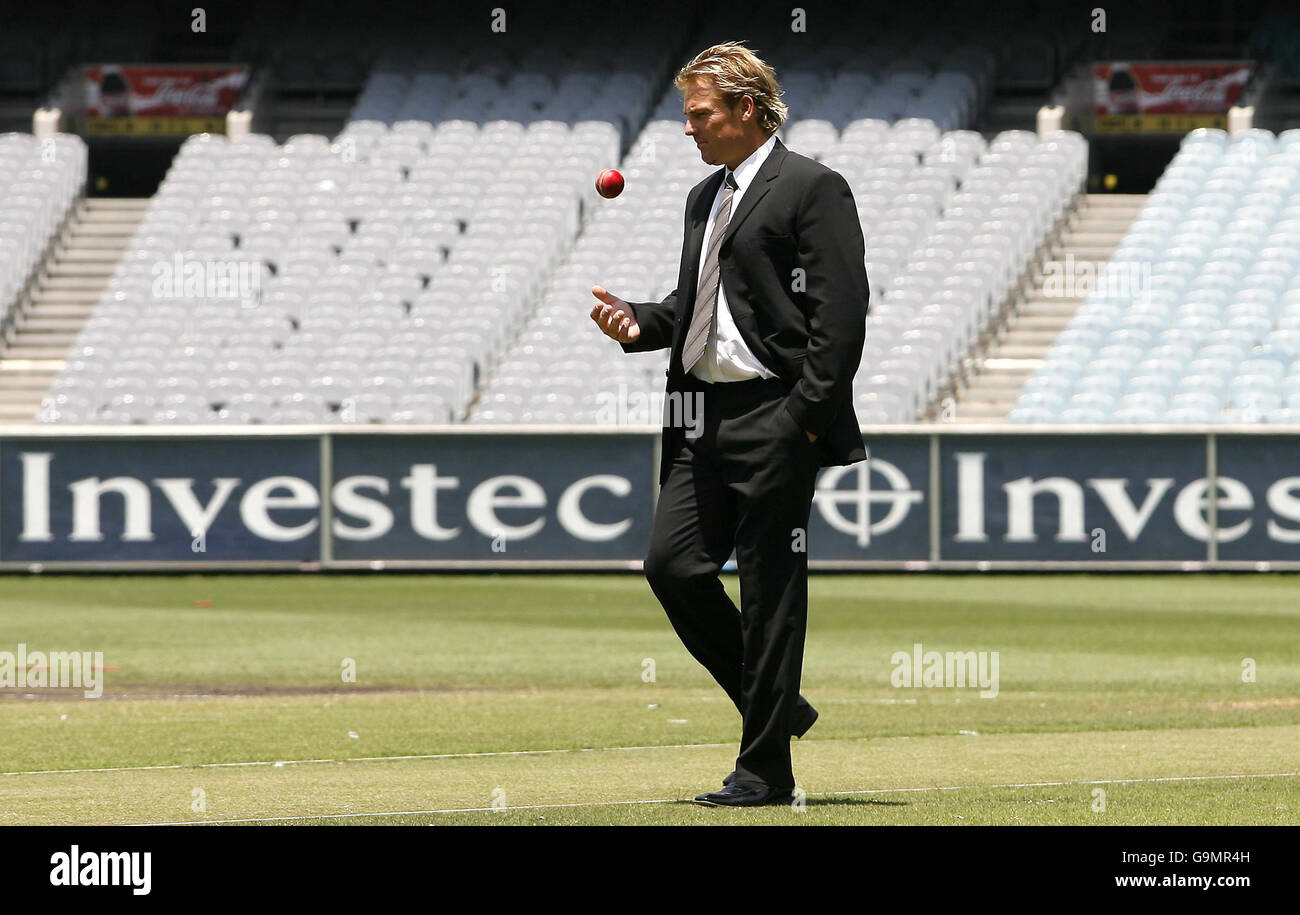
pixel 1090 665
pixel 1053 632
pixel 423 817
pixel 1258 801
pixel 825 767
pixel 86 734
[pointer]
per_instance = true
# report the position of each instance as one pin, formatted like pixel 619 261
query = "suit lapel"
pixel 757 189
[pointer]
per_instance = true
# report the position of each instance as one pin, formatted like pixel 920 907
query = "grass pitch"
pixel 505 699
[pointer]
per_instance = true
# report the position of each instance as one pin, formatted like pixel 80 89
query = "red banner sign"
pixel 159 99
pixel 1169 87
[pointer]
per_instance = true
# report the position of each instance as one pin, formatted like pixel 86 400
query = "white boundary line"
pixel 347 759
pixel 450 810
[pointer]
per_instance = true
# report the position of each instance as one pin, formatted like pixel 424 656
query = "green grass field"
pixel 501 699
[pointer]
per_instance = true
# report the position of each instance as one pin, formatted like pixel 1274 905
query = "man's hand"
pixel 614 317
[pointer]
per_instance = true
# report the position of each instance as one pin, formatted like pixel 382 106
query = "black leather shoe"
pixel 803 723
pixel 745 796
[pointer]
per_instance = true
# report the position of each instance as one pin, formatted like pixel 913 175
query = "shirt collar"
pixel 746 170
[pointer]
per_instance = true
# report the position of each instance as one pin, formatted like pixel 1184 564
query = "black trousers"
pixel 746 480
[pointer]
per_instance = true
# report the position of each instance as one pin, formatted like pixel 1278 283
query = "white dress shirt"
pixel 726 357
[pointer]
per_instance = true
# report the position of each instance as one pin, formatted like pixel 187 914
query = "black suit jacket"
pixel 792 262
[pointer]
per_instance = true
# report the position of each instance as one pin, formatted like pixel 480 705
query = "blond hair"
pixel 737 71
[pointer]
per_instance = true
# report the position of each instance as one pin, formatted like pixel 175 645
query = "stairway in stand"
pixel 996 372
pixel 68 286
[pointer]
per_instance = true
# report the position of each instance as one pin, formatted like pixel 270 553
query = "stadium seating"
pixel 944 258
pixel 429 262
pixel 39 184
pixel 1196 318
pixel 940 258
pixel 939 261
pixel 383 286
pixel 399 259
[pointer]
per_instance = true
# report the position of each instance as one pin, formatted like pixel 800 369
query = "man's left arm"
pixel 832 254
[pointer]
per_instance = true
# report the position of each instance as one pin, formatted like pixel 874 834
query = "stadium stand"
pixel 1197 316
pixel 940 261
pixel 423 265
pixel 40 181
pixel 950 222
pixel 384 272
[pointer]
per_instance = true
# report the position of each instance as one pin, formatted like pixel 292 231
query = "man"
pixel 767 326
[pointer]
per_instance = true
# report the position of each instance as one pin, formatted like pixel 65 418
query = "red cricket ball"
pixel 609 183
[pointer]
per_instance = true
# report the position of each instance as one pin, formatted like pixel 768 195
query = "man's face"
pixel 722 133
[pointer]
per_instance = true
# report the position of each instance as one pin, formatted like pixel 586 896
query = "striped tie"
pixel 703 322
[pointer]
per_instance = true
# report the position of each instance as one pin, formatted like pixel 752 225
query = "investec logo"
pixel 897 497
pixel 1190 505
pixel 881 496
pixel 266 495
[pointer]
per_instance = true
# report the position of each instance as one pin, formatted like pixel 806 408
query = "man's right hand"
pixel 614 317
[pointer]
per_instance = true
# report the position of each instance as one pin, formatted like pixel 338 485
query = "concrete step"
pixel 1100 254
pixel 119 211
pixel 1038 297
pixel 102 227
pixel 86 271
pixel 14 394
pixel 1111 214
pixel 110 218
pixel 66 296
pixel 990 384
pixel 27 381
pixel 63 283
pixel 1038 323
pixel 28 349
pixel 1021 367
pixel 1095 238
pixel 83 312
pixel 1109 222
pixel 1019 350
pixel 103 260
pixel 985 411
pixel 136 202
pixel 1015 336
pixel 1046 308
pixel 1115 201
pixel 45 325
pixel 81 242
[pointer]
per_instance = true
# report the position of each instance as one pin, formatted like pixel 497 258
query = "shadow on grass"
pixel 812 802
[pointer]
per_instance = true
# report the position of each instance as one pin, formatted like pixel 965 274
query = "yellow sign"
pixel 153 127
pixel 1157 123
